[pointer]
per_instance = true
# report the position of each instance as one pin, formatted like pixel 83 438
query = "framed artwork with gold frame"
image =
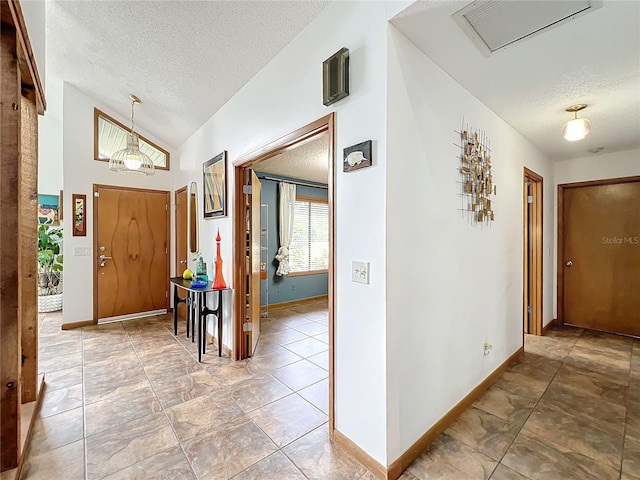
pixel 79 207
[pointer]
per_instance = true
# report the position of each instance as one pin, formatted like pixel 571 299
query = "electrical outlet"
pixel 81 251
pixel 487 348
pixel 293 286
pixel 360 272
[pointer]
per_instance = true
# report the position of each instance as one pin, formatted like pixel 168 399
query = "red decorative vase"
pixel 218 282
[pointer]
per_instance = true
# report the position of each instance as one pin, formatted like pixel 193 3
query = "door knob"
pixel 569 263
pixel 183 261
pixel 103 259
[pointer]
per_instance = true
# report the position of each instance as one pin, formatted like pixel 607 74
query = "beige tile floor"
pixel 129 401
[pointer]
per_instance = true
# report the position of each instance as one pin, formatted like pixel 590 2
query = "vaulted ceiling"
pixel 184 59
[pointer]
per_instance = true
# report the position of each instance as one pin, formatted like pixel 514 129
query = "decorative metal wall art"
pixel 477 175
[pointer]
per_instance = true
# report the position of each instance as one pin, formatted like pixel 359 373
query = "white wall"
pixel 33 12
pixel 80 172
pixel 597 167
pixel 593 167
pixel 451 284
pixel 284 96
pixel 50 140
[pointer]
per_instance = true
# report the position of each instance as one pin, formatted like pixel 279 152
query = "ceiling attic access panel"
pixel 495 24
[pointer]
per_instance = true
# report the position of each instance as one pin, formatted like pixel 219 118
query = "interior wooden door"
pixel 181 242
pixel 254 262
pixel 601 256
pixel 533 256
pixel 131 249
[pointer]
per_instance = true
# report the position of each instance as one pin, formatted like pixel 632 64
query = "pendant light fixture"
pixel 131 160
pixel 578 128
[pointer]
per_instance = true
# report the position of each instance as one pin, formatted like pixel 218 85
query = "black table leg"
pixel 188 302
pixel 206 311
pixel 219 317
pixel 194 314
pixel 176 302
pixel 203 316
pixel 175 310
pixel 198 298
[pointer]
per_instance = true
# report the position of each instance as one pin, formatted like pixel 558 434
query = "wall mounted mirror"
pixel 192 215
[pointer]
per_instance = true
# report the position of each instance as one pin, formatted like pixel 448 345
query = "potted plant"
pixel 49 268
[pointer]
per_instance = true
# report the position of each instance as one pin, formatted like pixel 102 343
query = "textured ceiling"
pixel 184 59
pixel 309 161
pixel 593 59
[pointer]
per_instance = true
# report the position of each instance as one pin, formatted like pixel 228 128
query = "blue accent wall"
pixel 288 289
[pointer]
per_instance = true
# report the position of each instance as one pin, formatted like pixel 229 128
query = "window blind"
pixel 309 249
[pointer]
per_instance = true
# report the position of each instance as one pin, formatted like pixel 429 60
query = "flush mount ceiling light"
pixel 578 128
pixel 131 160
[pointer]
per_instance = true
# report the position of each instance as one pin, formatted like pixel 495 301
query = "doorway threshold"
pixel 131 316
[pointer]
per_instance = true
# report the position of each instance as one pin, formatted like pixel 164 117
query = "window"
pixel 309 252
pixel 109 136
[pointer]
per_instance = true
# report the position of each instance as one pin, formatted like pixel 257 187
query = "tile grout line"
pixel 223 387
pixel 534 407
pixel 164 410
pixel 293 392
pixel 135 350
pixel 626 415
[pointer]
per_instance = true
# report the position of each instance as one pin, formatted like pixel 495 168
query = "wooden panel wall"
pixel 9 321
pixel 28 244
pixel 21 100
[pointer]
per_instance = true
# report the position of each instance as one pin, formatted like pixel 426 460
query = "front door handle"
pixel 103 259
pixel 183 261
pixel 569 263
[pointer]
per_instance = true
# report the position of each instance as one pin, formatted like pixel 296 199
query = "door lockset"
pixel 569 263
pixel 102 259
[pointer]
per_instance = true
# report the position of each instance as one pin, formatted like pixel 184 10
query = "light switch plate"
pixel 81 251
pixel 360 272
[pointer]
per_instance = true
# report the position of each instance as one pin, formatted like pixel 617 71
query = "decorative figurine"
pixel 218 282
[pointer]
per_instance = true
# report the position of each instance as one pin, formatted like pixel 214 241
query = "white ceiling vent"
pixel 494 24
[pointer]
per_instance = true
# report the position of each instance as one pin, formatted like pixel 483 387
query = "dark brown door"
pixel 181 242
pixel 254 262
pixel 601 256
pixel 131 250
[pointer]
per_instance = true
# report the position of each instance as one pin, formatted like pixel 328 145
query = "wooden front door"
pixel 254 262
pixel 181 242
pixel 600 255
pixel 131 250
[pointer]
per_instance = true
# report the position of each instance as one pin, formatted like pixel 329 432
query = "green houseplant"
pixel 49 268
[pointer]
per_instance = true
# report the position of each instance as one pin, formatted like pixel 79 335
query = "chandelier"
pixel 131 160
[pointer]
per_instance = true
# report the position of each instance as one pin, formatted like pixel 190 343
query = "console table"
pixel 197 311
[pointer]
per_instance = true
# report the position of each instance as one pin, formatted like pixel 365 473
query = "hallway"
pixel 568 410
pixel 128 400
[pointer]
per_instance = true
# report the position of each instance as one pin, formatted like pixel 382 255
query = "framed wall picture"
pixel 357 156
pixel 60 210
pixel 214 181
pixel 79 206
pixel 49 209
